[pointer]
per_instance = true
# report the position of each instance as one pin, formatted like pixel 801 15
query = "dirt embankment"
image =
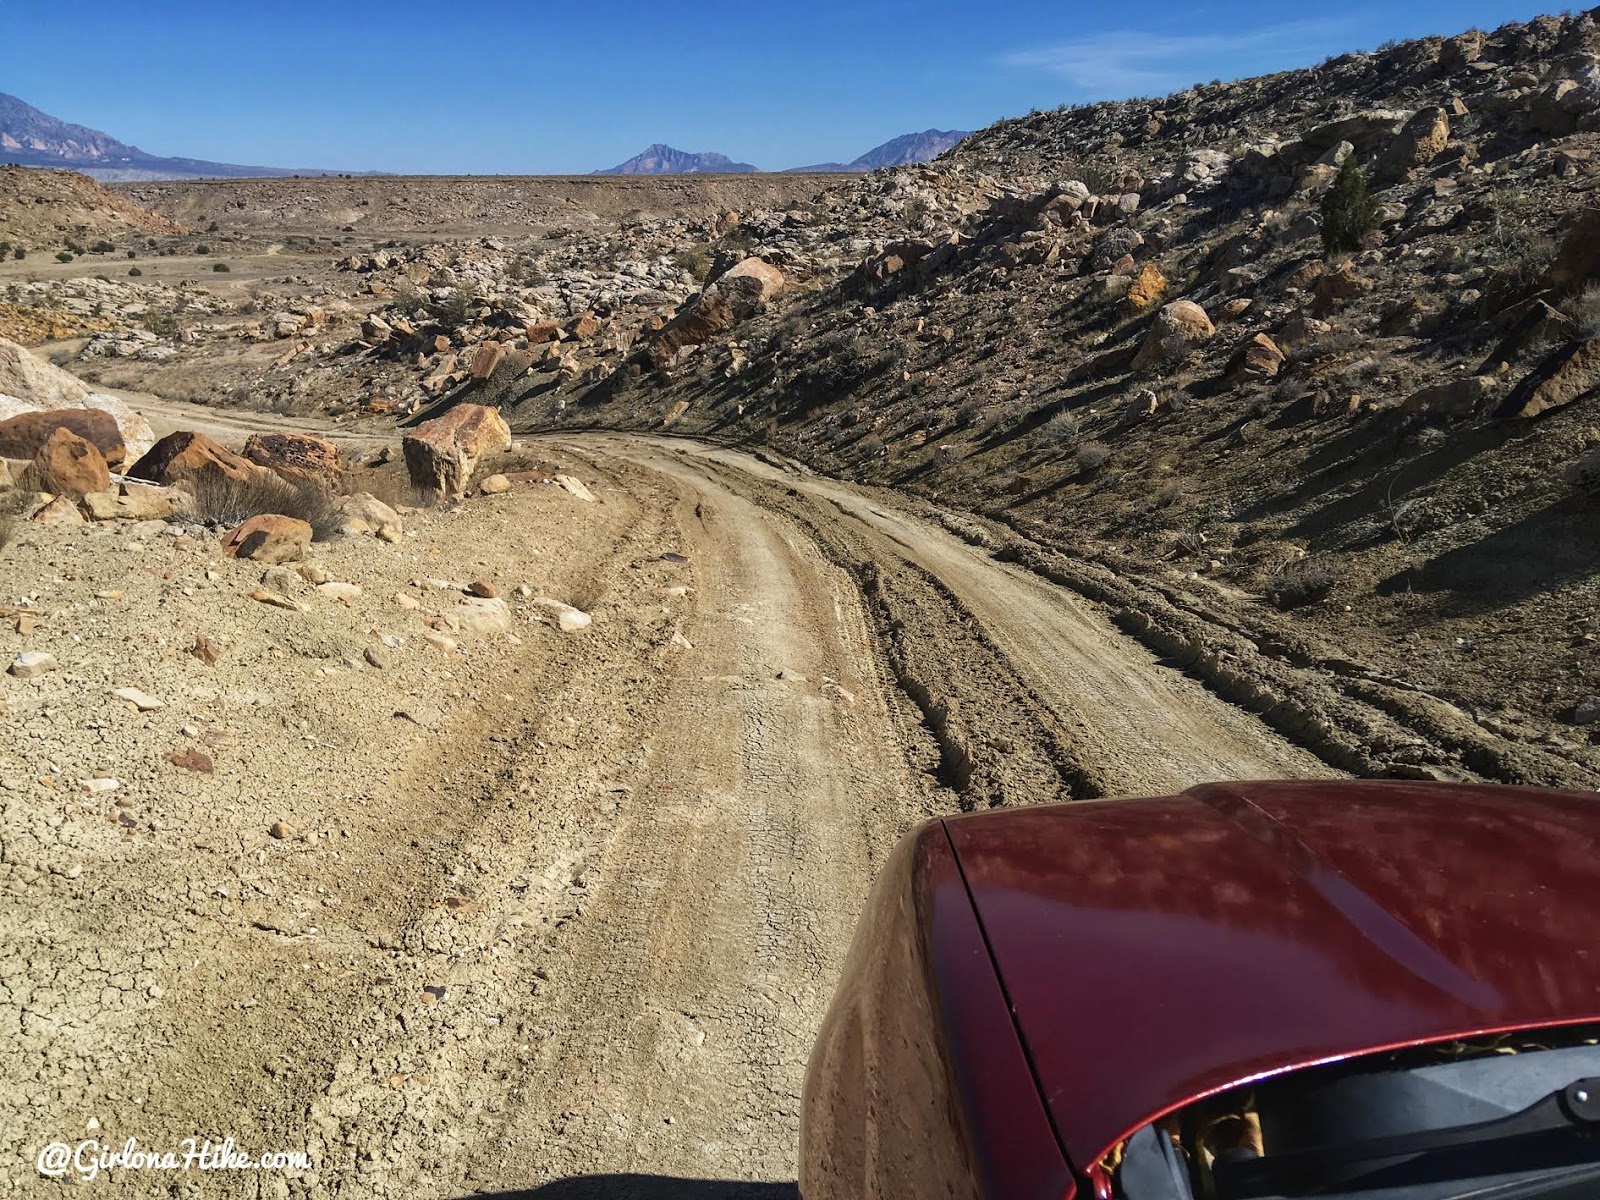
pixel 41 211
pixel 454 205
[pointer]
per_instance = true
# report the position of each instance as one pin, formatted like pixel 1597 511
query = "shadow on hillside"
pixel 648 1187
pixel 1546 550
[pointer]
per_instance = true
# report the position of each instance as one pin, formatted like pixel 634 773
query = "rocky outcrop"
pixel 68 465
pixel 441 454
pixel 1563 375
pixel 185 456
pixel 1178 327
pixel 295 456
pixel 744 290
pixel 25 435
pixel 269 538
pixel 28 378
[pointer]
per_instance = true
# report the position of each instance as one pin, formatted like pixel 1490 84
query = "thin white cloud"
pixel 1128 62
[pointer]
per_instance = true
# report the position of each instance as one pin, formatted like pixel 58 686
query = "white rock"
pixel 493 615
pixel 339 591
pixel 567 618
pixel 96 786
pixel 31 663
pixel 568 483
pixel 143 701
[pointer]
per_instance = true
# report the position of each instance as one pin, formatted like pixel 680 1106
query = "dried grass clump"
pixel 1301 581
pixel 227 500
pixel 1091 456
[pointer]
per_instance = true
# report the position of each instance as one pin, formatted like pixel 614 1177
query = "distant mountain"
pixel 664 160
pixel 31 138
pixel 907 148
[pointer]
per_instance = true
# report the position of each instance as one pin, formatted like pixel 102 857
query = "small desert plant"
pixel 135 271
pixel 10 516
pixel 872 446
pixel 1349 213
pixel 19 254
pixel 102 247
pixel 1063 427
pixel 1171 492
pixel 64 255
pixel 460 307
pixel 219 266
pixel 228 501
pixel 1584 309
pixel 133 254
pixel 202 250
pixel 1301 581
pixel 694 260
pixel 160 322
pixel 1091 456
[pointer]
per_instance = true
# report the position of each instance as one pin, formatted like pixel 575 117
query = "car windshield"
pixel 1507 1120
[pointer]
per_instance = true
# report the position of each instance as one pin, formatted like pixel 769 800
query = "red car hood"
pixel 1157 950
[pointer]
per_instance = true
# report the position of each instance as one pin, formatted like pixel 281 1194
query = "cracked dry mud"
pixel 569 925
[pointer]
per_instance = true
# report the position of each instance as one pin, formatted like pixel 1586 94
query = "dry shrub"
pixel 1091 456
pixel 1300 582
pixel 225 500
pixel 1171 492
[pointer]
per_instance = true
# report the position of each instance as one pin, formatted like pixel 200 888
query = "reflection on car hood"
pixel 1157 950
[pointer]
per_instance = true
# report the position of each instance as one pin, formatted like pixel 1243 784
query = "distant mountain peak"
pixel 31 138
pixel 896 152
pixel 661 159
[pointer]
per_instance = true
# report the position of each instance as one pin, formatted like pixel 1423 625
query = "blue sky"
pixel 501 87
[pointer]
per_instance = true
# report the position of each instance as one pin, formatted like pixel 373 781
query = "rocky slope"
pixel 45 210
pixel 1115 331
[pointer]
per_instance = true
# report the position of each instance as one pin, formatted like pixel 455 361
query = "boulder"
pixel 441 454
pixel 1146 290
pixel 1563 375
pixel 495 485
pixel 740 292
pixel 1420 140
pixel 68 465
pixel 269 538
pixel 365 513
pixel 296 456
pixel 1341 283
pixel 1259 358
pixel 1460 51
pixel 25 435
pixel 1452 398
pixel 32 380
pixel 137 435
pixel 483 615
pixel 185 456
pixel 486 360
pixel 539 332
pixel 1578 260
pixel 586 325
pixel 60 510
pixel 1182 319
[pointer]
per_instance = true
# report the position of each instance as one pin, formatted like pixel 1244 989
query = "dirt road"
pixel 586 903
